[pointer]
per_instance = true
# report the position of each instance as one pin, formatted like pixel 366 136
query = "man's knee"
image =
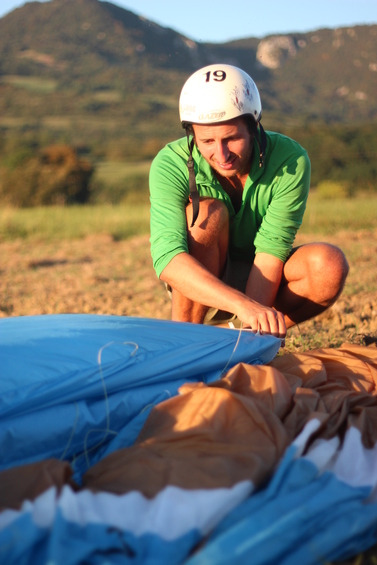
pixel 328 269
pixel 329 259
pixel 212 223
pixel 317 271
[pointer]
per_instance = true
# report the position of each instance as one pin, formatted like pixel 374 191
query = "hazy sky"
pixel 221 20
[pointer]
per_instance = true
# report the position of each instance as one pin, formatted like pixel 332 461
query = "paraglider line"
pixel 107 430
pixel 233 352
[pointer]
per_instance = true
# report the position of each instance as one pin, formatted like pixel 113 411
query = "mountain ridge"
pixel 106 79
pixel 92 42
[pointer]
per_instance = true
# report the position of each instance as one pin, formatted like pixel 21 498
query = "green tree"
pixel 55 175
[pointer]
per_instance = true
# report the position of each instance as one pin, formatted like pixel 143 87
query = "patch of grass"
pixel 116 183
pixel 333 215
pixel 131 217
pixel 329 189
pixel 35 84
pixel 112 172
pixel 163 99
pixel 108 96
pixel 74 222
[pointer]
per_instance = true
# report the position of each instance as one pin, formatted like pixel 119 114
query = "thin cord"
pixel 234 349
pixel 107 430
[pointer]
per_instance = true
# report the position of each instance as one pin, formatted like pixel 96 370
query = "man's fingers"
pixel 270 322
pixel 264 320
pixel 281 324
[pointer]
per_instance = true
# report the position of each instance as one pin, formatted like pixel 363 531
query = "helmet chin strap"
pixel 194 195
pixel 262 142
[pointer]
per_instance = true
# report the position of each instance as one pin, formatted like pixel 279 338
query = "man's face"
pixel 227 147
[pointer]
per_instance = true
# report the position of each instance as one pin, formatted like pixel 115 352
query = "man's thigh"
pixel 236 274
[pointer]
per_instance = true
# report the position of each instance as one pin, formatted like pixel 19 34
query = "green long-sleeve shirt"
pixel 273 200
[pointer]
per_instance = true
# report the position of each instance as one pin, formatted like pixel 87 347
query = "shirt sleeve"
pixel 286 209
pixel 169 196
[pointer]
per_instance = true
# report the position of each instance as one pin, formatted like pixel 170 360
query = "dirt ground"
pixel 103 276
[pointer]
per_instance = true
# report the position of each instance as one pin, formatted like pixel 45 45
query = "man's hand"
pixel 262 319
pixel 262 287
pixel 199 286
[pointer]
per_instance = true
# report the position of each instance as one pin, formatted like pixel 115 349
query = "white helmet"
pixel 215 94
pixel 218 93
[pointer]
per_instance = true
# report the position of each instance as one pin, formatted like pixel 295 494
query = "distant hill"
pixel 97 74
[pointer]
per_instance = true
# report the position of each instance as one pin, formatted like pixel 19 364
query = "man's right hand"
pixel 262 319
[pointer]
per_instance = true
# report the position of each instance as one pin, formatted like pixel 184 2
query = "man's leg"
pixel 313 278
pixel 208 242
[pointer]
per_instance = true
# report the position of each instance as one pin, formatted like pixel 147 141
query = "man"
pixel 225 207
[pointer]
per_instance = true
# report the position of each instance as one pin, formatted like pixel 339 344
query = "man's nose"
pixel 222 152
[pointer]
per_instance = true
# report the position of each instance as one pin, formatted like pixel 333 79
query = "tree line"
pixel 34 173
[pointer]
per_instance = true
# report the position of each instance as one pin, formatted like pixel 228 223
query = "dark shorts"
pixel 235 275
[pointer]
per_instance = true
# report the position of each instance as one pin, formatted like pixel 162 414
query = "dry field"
pixel 103 276
pixel 100 275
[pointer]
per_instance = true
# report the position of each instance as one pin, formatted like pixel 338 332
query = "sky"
pixel 222 20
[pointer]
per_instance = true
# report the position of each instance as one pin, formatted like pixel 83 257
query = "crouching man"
pixel 226 203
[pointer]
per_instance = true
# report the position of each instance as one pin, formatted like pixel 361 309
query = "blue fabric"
pixel 70 383
pixel 67 543
pixel 300 518
pixel 78 387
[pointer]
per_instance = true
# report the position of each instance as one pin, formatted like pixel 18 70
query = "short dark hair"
pixel 251 124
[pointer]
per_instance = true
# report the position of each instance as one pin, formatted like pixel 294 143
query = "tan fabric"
pixel 238 428
pixel 345 380
pixel 29 481
pixel 206 438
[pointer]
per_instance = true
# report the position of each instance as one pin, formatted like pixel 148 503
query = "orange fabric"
pixel 29 481
pixel 238 428
pixel 345 380
pixel 206 438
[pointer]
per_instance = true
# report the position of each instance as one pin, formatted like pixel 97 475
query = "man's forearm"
pixel 186 275
pixel 265 279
